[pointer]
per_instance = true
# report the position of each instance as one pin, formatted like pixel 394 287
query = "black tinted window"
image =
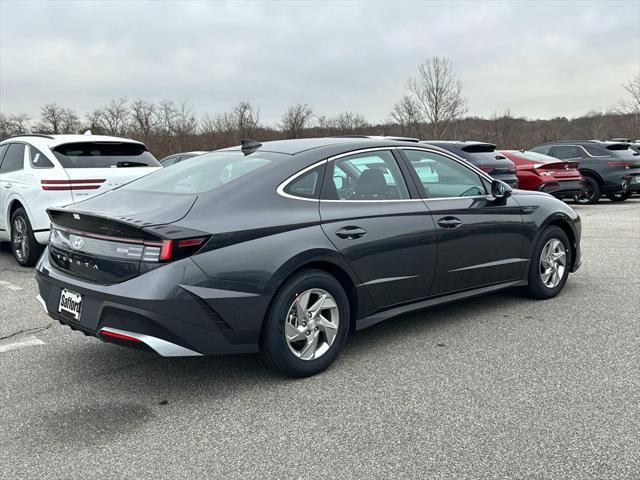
pixel 104 154
pixel 13 158
pixel 38 159
pixel 307 184
pixel 565 152
pixel 595 150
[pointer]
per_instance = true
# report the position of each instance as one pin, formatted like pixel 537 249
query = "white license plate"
pixel 70 302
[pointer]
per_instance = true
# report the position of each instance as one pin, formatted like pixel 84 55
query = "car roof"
pixel 582 142
pixel 300 145
pixel 53 141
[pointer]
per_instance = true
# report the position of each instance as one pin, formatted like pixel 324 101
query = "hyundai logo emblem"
pixel 77 243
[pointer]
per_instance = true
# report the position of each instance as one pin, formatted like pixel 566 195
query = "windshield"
pixel 104 155
pixel 200 174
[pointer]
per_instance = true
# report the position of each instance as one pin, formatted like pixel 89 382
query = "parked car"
pixel 482 155
pixel 608 168
pixel 179 157
pixel 41 171
pixel 535 171
pixel 307 240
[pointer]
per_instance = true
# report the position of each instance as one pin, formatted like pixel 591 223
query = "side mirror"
pixel 500 189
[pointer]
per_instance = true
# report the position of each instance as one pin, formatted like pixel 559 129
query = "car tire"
pixel 620 196
pixel 542 283
pixel 26 249
pixel 286 353
pixel 591 193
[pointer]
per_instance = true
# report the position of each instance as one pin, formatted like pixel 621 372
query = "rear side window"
pixel 38 159
pixel 365 176
pixel 595 150
pixel 13 158
pixel 306 185
pixel 566 152
pixel 104 155
pixel 201 174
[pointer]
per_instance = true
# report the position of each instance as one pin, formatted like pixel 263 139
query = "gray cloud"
pixel 540 59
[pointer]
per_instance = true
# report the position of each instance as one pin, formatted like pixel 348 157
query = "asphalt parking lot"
pixel 496 387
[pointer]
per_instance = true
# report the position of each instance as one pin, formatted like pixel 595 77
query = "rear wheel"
pixel 307 324
pixel 550 264
pixel 591 192
pixel 26 249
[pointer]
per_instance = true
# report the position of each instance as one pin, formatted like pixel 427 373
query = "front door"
pixel 480 238
pixel 387 237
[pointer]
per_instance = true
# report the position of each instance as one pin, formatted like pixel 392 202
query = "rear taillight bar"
pixel 90 184
pixel 620 164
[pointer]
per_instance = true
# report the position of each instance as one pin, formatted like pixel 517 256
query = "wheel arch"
pixel 329 262
pixel 565 224
pixel 593 174
pixel 15 204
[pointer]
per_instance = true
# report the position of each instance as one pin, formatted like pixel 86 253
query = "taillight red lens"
pixel 620 164
pixel 191 242
pixel 166 250
pixel 90 184
pixel 119 336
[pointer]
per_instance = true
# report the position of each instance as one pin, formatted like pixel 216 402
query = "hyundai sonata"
pixel 287 246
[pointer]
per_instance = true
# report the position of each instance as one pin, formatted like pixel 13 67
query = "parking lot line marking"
pixel 28 342
pixel 10 285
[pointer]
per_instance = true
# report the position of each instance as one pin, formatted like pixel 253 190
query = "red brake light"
pixel 166 249
pixel 620 164
pixel 191 242
pixel 90 184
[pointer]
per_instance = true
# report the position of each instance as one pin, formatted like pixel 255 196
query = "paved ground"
pixel 498 387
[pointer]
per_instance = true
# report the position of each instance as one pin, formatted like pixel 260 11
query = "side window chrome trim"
pixel 280 190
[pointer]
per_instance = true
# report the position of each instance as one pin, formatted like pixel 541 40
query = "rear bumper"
pixel 159 310
pixel 562 188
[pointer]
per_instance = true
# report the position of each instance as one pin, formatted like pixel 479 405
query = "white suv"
pixel 42 171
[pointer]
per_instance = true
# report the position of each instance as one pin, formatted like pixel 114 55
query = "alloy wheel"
pixel 312 324
pixel 19 238
pixel 586 196
pixel 553 263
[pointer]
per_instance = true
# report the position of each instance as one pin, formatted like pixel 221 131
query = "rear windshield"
pixel 479 148
pixel 536 157
pixel 201 174
pixel 104 155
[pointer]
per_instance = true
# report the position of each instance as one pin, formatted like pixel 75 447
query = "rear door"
pixel 96 167
pixel 480 238
pixel 388 237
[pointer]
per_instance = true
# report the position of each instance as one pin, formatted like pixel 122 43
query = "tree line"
pixel 432 106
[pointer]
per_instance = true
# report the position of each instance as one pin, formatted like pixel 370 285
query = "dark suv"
pixel 482 155
pixel 608 168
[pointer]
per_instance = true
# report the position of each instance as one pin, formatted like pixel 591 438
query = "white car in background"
pixel 42 171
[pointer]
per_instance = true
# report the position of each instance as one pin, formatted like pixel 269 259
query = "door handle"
pixel 449 222
pixel 351 232
pixel 8 185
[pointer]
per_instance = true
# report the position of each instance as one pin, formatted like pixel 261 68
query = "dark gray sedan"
pixel 287 246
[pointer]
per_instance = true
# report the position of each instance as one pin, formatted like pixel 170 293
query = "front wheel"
pixel 591 193
pixel 307 324
pixel 620 196
pixel 550 264
pixel 26 249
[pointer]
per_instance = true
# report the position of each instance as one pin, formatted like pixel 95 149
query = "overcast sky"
pixel 539 59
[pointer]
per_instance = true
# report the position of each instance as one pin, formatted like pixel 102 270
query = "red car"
pixel 546 174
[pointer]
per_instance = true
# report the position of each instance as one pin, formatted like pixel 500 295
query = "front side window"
pixel 200 174
pixel 104 155
pixel 365 176
pixel 38 159
pixel 442 177
pixel 13 158
pixel 566 152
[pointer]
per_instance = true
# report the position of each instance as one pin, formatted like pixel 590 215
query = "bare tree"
pixel 296 119
pixel 246 118
pixel 13 125
pixel 57 119
pixel 437 94
pixel 406 113
pixel 143 117
pixel 168 115
pixel 115 117
pixel 631 105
